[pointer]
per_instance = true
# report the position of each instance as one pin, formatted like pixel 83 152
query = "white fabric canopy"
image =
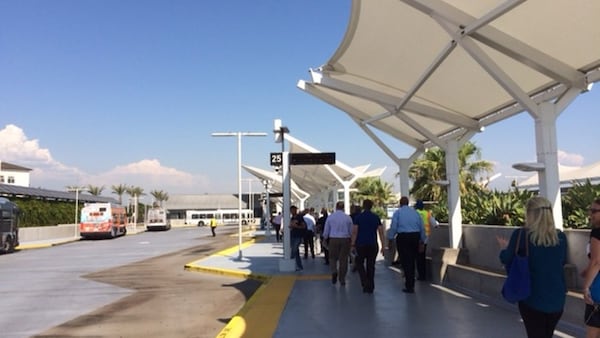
pixel 434 73
pixel 424 70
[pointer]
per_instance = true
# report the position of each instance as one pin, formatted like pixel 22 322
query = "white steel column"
pixel 287 263
pixel 454 207
pixel 546 149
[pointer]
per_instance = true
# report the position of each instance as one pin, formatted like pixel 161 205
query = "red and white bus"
pixel 105 220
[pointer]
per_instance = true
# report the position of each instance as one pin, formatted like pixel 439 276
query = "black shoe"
pixel 333 278
pixel 405 290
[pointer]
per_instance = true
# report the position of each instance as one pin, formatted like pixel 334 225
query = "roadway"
pixel 132 286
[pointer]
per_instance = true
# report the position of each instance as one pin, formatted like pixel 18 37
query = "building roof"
pixel 14 167
pixel 9 190
pixel 202 202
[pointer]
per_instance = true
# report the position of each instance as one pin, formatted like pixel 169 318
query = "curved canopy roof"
pixel 425 70
pixel 310 180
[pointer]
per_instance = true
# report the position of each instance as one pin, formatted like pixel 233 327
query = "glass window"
pixel 11 179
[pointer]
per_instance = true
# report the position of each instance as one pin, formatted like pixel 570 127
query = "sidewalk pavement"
pixel 307 304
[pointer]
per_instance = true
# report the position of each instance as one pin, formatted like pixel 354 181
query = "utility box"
pixel 9 226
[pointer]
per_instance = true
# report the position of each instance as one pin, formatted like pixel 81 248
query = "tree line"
pixel 479 204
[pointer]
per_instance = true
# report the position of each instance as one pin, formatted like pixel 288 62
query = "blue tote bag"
pixel 517 285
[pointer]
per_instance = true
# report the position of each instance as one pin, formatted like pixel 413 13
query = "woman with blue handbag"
pixel 546 248
pixel 591 283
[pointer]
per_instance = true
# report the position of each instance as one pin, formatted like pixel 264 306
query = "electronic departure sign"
pixel 304 158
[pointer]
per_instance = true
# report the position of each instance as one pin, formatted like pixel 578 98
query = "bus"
pixel 222 216
pixel 104 220
pixel 9 226
pixel 156 219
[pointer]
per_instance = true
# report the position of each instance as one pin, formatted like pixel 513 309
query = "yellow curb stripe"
pixel 260 315
pixel 225 272
pixel 234 249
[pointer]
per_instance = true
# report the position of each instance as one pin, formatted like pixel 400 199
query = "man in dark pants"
pixel 320 228
pixel 407 226
pixel 364 239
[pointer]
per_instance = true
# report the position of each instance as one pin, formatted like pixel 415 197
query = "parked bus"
pixel 156 219
pixel 9 226
pixel 103 220
pixel 222 216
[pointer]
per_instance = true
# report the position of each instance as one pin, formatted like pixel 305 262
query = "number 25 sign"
pixel 276 159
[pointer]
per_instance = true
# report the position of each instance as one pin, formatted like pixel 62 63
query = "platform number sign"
pixel 276 159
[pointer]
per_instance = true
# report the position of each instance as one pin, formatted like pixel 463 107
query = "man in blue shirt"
pixel 407 228
pixel 364 239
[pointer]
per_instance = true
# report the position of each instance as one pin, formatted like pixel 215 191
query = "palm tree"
pixel 119 190
pixel 94 190
pixel 431 167
pixel 134 193
pixel 159 196
pixel 376 190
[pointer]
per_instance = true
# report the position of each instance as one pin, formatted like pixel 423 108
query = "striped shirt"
pixel 338 225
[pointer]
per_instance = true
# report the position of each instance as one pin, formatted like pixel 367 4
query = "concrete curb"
pixel 260 315
pixel 28 246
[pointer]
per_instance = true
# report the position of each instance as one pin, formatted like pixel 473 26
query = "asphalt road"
pixel 133 286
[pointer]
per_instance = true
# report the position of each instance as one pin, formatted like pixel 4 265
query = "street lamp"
pixel 239 135
pixel 76 189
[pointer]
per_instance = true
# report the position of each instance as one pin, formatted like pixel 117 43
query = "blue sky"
pixel 128 92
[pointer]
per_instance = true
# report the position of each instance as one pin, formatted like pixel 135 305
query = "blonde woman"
pixel 547 248
pixel 591 283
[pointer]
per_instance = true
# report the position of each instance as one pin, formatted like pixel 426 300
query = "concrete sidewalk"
pixel 307 304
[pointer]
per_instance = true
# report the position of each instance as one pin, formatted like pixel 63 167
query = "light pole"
pixel 239 135
pixel 76 190
pixel 268 185
pixel 287 263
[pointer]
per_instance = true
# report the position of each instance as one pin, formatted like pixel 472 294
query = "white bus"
pixel 156 219
pixel 222 216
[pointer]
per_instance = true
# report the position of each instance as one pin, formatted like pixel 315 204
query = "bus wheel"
pixel 201 224
pixel 8 245
pixel 124 231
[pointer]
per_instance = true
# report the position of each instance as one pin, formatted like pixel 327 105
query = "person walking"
pixel 338 230
pixel 428 222
pixel 320 230
pixel 213 226
pixel 364 240
pixel 546 248
pixel 591 274
pixel 309 237
pixel 277 226
pixel 407 226
pixel 297 233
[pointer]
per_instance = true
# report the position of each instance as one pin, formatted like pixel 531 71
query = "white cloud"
pixel 573 160
pixel 17 148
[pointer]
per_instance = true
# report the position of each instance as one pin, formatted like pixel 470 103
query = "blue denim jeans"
pixel 295 242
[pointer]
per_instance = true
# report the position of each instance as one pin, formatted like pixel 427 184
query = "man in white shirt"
pixel 309 238
pixel 338 230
